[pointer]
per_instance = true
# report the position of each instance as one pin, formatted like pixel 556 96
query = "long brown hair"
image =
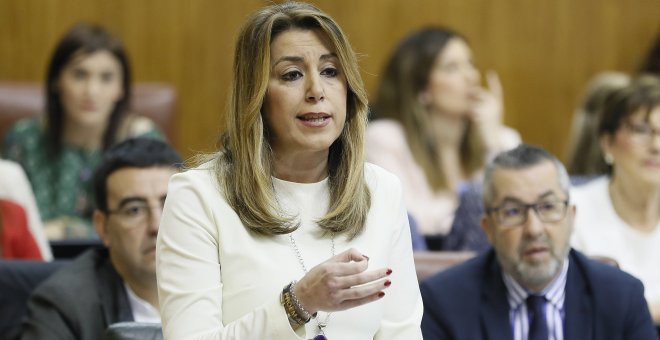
pixel 244 167
pixel 85 38
pixel 406 76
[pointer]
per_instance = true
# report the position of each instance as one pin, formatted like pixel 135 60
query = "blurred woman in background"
pixel 585 157
pixel 437 126
pixel 619 214
pixel 88 88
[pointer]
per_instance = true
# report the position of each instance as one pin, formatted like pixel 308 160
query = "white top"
pixel 217 280
pixel 142 310
pixel 432 210
pixel 15 186
pixel 600 231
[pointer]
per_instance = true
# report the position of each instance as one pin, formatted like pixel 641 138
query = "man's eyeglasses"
pixel 512 214
pixel 641 133
pixel 134 214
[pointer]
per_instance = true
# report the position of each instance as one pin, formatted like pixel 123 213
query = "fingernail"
pixel 381 294
pixel 388 283
pixel 366 257
pixel 389 271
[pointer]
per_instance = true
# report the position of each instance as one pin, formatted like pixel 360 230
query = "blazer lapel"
pixel 494 306
pixel 112 294
pixel 578 320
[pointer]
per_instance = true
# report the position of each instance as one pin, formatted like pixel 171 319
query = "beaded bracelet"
pixel 301 310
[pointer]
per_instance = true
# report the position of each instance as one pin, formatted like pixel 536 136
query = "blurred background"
pixel 544 51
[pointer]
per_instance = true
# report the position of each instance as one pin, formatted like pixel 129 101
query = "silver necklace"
pixel 320 325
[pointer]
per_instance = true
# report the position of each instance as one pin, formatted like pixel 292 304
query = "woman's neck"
pixel 638 204
pixel 448 129
pixel 301 167
pixel 450 163
pixel 88 137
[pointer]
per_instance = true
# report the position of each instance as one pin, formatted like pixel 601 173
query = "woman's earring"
pixel 609 159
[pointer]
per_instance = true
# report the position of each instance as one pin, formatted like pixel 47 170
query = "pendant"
pixel 321 335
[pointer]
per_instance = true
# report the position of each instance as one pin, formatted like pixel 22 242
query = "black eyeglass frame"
pixel 525 214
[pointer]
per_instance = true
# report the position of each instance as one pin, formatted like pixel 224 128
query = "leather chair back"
pixel 18 278
pixel 428 263
pixel 156 101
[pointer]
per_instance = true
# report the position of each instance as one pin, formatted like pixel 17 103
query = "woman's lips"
pixel 314 119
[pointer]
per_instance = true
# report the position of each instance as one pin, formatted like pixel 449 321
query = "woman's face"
pixel 453 80
pixel 635 147
pixel 89 86
pixel 305 103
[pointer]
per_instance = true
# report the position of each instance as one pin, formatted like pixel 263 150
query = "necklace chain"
pixel 320 325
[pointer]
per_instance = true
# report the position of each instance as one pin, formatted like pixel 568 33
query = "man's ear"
pixel 488 227
pixel 101 224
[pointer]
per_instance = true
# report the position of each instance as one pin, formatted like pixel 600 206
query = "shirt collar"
pixel 142 310
pixel 555 292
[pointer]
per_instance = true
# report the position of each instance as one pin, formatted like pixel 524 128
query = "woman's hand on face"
pixel 487 103
pixel 342 282
pixel 487 108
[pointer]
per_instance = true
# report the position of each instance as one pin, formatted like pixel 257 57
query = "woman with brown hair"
pixel 437 126
pixel 88 88
pixel 619 213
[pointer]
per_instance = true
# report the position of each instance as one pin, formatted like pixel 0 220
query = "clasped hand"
pixel 342 282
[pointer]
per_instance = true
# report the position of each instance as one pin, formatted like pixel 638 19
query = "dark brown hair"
pixel 406 75
pixel 643 93
pixel 83 38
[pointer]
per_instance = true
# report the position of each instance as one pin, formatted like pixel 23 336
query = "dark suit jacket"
pixel 469 302
pixel 79 301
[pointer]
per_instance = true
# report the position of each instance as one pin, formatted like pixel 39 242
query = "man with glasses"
pixel 116 283
pixel 531 285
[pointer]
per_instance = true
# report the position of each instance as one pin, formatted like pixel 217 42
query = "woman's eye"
pixel 330 72
pixel 107 77
pixel 292 75
pixel 79 74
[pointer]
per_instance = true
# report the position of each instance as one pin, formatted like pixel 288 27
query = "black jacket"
pixel 79 301
pixel 469 301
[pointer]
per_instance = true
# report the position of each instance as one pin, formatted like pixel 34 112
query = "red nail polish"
pixel 381 294
pixel 389 271
pixel 388 283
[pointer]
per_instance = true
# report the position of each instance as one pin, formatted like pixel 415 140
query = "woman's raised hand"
pixel 342 282
pixel 487 109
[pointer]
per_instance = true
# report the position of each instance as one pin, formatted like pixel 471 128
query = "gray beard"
pixel 536 274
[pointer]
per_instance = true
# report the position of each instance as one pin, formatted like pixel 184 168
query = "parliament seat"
pixel 156 101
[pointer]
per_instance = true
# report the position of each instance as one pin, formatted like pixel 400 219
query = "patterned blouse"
pixel 63 187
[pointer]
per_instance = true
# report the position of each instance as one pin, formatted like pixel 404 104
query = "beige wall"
pixel 544 50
